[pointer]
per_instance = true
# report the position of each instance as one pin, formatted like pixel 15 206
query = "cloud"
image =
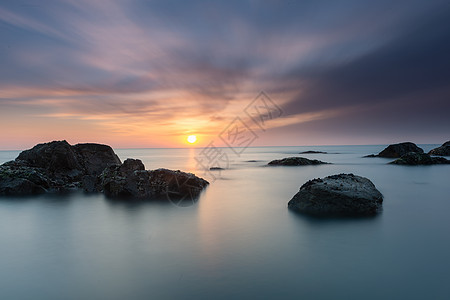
pixel 177 64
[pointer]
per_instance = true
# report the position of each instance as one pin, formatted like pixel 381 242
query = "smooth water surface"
pixel 239 241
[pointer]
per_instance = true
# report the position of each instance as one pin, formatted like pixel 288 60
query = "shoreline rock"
pixel 443 150
pixel 338 195
pixel 59 167
pixel 296 161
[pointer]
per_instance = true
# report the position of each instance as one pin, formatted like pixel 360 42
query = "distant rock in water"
pixel 443 150
pixel 313 152
pixel 414 159
pixel 397 150
pixel 57 167
pixel 295 161
pixel 338 195
pixel 216 169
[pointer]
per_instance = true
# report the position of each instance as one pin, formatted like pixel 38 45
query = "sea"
pixel 238 240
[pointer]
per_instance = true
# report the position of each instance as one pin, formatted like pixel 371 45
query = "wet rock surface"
pixel 338 195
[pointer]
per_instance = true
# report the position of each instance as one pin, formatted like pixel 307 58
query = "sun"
pixel 192 139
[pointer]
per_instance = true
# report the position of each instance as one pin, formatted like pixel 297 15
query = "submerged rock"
pixel 338 195
pixel 57 166
pixel 414 159
pixel 397 150
pixel 443 150
pixel 295 161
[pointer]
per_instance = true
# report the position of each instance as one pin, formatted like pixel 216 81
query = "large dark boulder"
pixel 414 159
pixel 94 158
pixel 56 157
pixel 443 150
pixel 295 161
pixel 132 180
pixel 338 195
pixel 397 150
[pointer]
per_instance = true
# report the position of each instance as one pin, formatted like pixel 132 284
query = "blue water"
pixel 239 241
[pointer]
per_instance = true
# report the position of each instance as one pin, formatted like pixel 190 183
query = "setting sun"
pixel 192 139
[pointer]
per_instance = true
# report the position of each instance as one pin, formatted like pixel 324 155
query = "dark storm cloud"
pixel 415 62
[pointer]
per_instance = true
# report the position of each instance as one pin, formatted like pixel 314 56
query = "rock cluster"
pixel 295 161
pixel 338 195
pixel 58 166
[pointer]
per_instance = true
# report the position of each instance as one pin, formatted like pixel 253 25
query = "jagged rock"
pixel 295 161
pixel 338 195
pixel 397 150
pixel 443 150
pixel 414 159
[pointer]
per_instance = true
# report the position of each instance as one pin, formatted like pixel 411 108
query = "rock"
pixel 94 158
pixel 216 169
pixel 123 181
pixel 397 150
pixel 414 159
pixel 295 161
pixel 19 187
pixel 338 195
pixel 313 152
pixel 370 155
pixel 56 157
pixel 58 166
pixel 17 179
pixel 443 150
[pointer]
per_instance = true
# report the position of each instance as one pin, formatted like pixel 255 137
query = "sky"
pixel 150 73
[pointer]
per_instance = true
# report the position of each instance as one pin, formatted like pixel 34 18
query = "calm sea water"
pixel 239 241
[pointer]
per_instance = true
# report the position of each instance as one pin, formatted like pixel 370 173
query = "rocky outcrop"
pixel 57 166
pixel 132 180
pixel 295 161
pixel 443 150
pixel 338 195
pixel 414 159
pixel 397 150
